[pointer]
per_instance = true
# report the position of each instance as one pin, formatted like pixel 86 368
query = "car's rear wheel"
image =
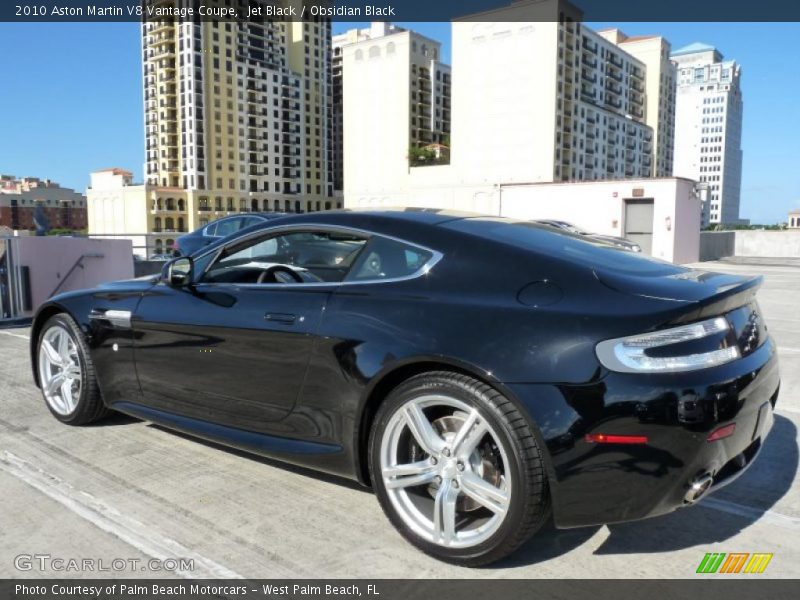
pixel 456 468
pixel 66 373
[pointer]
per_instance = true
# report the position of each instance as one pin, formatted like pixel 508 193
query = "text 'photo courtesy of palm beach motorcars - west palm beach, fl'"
pixel 498 294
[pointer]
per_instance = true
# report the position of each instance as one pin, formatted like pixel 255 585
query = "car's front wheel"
pixel 66 373
pixel 456 469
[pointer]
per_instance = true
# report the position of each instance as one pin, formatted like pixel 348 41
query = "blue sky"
pixel 71 100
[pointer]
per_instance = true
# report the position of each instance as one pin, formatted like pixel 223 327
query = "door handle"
pixel 285 318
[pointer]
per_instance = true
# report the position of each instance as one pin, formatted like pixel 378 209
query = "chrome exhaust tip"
pixel 698 488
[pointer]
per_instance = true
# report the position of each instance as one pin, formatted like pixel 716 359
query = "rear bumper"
pixel 606 483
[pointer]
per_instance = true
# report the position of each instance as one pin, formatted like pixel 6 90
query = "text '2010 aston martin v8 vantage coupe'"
pixel 479 373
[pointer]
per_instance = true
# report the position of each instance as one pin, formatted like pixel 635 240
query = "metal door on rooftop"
pixel 639 222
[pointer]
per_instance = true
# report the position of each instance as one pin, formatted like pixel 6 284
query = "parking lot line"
pixel 16 335
pixel 108 519
pixel 734 508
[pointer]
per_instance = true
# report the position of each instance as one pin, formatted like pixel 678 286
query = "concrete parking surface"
pixel 127 489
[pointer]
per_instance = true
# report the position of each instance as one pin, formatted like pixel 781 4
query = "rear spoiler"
pixel 696 293
pixel 730 297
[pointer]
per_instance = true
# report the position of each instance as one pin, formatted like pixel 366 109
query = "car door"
pixel 230 352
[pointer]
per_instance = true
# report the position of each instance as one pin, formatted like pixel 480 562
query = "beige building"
pixel 660 79
pixel 793 221
pixel 397 77
pixel 151 217
pixel 237 116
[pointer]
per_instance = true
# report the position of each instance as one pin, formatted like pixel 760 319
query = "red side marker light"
pixel 721 432
pixel 602 438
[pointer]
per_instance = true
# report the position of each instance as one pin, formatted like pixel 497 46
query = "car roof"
pixel 381 221
pixel 265 215
pixel 429 216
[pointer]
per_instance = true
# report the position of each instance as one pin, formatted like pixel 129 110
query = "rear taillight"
pixel 721 432
pixel 630 354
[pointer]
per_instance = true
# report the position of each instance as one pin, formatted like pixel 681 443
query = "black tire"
pixel 529 502
pixel 89 407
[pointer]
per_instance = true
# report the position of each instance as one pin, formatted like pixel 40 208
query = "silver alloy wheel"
pixel 448 484
pixel 60 369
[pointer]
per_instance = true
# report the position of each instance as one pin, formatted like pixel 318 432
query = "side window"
pixel 388 259
pixel 211 230
pixel 228 226
pixel 295 257
pixel 248 221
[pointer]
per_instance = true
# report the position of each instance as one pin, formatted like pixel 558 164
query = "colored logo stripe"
pixel 758 563
pixel 711 562
pixel 736 562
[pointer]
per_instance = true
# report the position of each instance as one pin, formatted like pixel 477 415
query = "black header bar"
pixel 399 10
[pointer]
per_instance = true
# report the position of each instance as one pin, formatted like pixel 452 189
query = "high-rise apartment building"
pixel 660 76
pixel 708 128
pixel 536 97
pixel 237 116
pixel 547 101
pixel 397 75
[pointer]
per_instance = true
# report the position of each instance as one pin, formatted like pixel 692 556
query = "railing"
pixel 78 263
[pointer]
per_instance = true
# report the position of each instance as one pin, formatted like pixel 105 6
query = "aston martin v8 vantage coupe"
pixel 479 373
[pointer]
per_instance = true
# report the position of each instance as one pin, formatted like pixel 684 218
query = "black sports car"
pixel 475 371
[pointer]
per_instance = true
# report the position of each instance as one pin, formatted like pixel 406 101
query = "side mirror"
pixel 178 272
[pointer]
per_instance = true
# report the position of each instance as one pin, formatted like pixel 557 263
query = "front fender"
pixel 110 343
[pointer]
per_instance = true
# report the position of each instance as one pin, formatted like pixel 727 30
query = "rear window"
pixel 384 258
pixel 228 226
pixel 545 240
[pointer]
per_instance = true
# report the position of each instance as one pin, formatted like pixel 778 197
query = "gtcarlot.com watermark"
pixel 60 564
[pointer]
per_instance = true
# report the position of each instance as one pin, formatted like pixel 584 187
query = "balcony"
pixel 162 27
pixel 167 51
pixel 613 87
